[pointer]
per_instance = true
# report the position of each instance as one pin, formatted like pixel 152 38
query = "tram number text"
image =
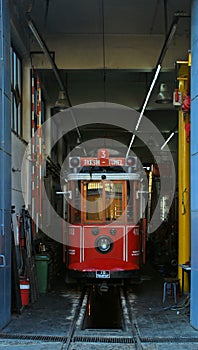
pixel 102 274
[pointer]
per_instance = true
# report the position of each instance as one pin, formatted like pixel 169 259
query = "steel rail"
pixel 71 332
pixel 134 329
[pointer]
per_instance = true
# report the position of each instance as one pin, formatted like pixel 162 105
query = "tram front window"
pixel 103 200
pixel 94 201
pixel 113 196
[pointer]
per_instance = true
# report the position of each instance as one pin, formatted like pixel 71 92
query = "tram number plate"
pixel 102 274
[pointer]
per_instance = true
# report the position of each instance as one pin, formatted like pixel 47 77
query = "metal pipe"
pixel 54 67
pixel 47 54
pixel 194 166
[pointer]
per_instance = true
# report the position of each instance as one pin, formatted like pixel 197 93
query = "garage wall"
pixel 5 165
pixel 121 52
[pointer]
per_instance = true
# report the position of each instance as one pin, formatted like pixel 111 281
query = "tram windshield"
pixel 103 201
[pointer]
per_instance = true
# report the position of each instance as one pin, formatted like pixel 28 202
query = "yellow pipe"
pixel 183 180
pixel 182 62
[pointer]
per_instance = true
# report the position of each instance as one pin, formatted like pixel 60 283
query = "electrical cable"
pixel 185 303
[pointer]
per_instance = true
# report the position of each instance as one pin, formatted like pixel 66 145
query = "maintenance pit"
pixel 47 324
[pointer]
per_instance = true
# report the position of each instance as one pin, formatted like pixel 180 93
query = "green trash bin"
pixel 42 262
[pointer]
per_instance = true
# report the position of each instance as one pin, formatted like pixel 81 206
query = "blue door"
pixel 5 166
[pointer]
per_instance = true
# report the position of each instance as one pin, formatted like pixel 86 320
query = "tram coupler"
pixel 103 287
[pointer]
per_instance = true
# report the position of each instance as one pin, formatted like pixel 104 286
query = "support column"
pixel 183 176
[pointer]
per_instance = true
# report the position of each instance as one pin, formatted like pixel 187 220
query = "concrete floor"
pixel 159 326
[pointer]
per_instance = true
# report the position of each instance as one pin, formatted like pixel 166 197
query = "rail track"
pixel 82 334
pixel 118 332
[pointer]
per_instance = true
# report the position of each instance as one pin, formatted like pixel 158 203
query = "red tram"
pixel 105 239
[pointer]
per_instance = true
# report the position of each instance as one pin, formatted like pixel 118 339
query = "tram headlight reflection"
pixel 104 244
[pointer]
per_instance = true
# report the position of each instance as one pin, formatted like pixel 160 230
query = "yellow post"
pixel 183 178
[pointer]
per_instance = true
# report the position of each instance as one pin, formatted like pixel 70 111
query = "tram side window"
pixel 75 207
pixel 133 202
pixel 130 199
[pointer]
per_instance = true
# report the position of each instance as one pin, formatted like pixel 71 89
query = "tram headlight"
pixel 74 162
pixel 104 244
pixel 131 161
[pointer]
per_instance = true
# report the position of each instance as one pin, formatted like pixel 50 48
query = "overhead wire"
pixel 156 73
pixel 165 17
pixel 154 16
pixel 46 10
pixel 103 50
